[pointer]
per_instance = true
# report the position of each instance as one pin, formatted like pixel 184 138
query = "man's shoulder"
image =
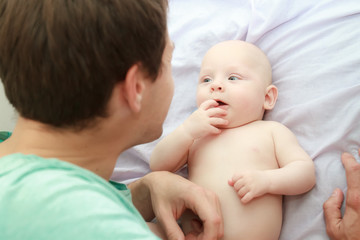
pixel 50 176
pixel 45 197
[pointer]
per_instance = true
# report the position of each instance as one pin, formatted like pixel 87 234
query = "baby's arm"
pixel 171 152
pixel 296 174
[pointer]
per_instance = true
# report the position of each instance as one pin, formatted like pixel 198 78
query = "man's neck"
pixel 91 149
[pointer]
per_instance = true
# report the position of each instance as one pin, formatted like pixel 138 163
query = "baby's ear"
pixel 271 94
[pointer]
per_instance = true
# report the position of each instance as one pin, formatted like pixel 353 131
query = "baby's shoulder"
pixel 268 124
pixel 278 130
pixel 273 126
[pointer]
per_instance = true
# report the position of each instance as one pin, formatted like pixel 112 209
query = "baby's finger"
pixel 208 104
pixel 238 184
pixel 218 122
pixel 214 130
pixel 234 179
pixel 242 192
pixel 213 112
pixel 247 198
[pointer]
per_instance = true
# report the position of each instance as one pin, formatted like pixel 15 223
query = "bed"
pixel 314 48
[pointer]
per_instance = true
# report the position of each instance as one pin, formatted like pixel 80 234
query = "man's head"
pixel 60 59
pixel 237 74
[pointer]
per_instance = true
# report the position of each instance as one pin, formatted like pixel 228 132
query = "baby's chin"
pixel 232 125
pixel 227 126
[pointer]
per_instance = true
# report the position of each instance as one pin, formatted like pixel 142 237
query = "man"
pixel 89 79
pixel 347 226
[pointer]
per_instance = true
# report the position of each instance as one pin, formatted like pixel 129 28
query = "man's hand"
pixel 170 196
pixel 348 226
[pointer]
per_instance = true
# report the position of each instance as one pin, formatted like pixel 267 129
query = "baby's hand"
pixel 205 120
pixel 250 184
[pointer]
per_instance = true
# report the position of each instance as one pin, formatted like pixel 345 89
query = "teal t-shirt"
pixel 50 199
pixel 4 136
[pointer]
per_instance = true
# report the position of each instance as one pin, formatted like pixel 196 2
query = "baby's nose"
pixel 217 87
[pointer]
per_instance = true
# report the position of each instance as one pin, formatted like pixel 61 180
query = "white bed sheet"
pixel 314 48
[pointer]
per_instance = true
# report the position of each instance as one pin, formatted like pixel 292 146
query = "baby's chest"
pixel 233 151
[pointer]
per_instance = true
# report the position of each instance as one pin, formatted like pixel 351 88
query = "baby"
pixel 250 163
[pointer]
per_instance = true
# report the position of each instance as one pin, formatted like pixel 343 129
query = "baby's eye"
pixel 233 78
pixel 207 80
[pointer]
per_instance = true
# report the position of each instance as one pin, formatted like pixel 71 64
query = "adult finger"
pixel 213 228
pixel 209 211
pixel 171 227
pixel 332 212
pixel 352 169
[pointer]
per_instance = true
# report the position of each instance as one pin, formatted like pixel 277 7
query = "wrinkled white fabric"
pixel 314 48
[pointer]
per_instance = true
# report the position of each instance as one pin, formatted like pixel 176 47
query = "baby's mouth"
pixel 221 103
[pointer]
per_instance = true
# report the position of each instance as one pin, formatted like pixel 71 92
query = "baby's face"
pixel 236 74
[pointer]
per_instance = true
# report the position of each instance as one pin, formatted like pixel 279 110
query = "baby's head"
pixel 237 74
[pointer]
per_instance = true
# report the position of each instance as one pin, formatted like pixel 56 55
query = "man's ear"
pixel 271 95
pixel 134 87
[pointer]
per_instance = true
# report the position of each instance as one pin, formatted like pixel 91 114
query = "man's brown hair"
pixel 60 59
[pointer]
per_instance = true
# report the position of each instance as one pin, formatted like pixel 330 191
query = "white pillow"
pixel 314 48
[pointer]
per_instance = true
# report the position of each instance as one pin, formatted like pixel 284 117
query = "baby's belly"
pixel 259 219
